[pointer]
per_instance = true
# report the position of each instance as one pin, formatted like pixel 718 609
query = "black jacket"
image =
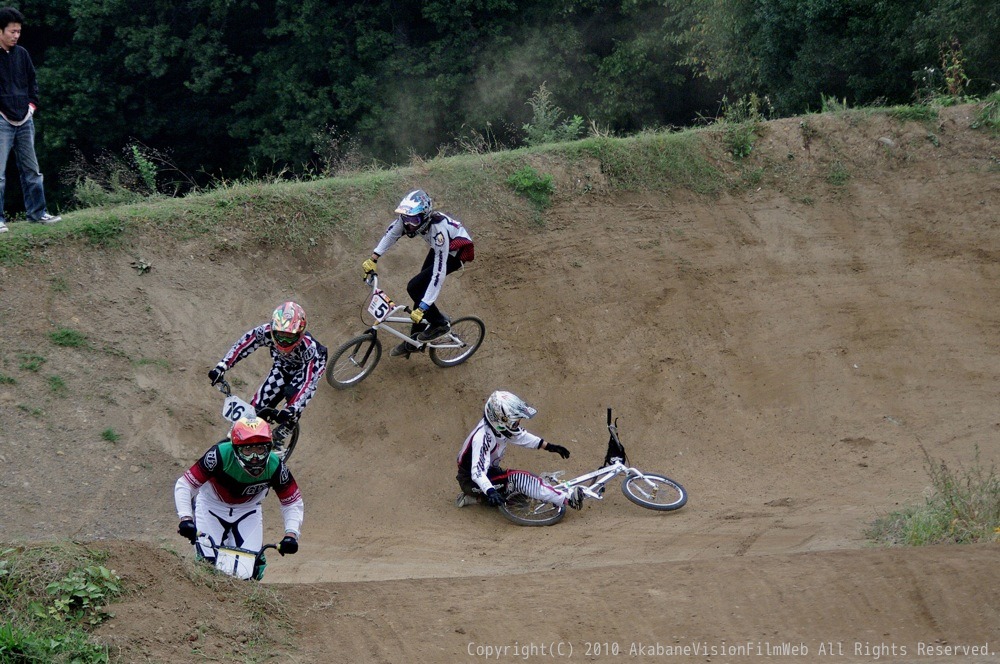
pixel 18 85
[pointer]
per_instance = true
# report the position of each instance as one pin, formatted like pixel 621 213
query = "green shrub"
pixel 988 116
pixel 742 123
pixel 49 597
pixel 545 125
pixel 963 507
pixel 110 435
pixel 534 186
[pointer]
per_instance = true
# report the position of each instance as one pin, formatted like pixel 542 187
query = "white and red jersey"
pixel 445 236
pixel 484 448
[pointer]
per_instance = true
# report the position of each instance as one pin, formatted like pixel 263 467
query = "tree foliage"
pixel 225 88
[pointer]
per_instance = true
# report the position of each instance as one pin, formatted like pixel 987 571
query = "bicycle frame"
pixel 387 314
pixel 649 490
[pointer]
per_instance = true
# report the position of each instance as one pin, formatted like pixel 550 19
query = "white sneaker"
pixel 3 227
pixel 47 219
pixel 465 499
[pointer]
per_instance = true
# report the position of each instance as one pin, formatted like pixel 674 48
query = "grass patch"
pixel 158 363
pixel 31 362
pixel 916 113
pixel 963 507
pixel 50 597
pixel 57 385
pixel 110 435
pixel 838 175
pixel 657 161
pixel 68 338
pixel 7 380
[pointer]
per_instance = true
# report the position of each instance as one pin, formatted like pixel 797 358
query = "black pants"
pixel 418 286
pixel 497 475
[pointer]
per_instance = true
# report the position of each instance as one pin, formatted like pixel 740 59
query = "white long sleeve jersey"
pixel 444 235
pixel 484 448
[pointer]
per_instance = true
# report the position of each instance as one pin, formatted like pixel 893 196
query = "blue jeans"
pixel 22 140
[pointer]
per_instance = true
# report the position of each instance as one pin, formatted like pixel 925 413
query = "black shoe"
pixel 404 349
pixel 434 332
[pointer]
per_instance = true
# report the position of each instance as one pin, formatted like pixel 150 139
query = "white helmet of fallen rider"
pixel 504 412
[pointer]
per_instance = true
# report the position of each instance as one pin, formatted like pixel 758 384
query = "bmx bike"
pixel 649 490
pixel 235 561
pixel 285 436
pixel 356 359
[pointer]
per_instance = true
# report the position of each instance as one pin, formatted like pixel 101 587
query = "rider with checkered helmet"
pixel 298 361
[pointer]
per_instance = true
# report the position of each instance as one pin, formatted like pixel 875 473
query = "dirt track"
pixel 786 353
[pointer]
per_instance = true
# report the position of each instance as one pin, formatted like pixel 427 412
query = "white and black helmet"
pixel 504 412
pixel 415 212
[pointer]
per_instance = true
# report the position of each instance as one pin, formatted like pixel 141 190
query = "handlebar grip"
pixel 609 416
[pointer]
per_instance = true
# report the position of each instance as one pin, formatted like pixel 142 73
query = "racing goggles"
pixel 285 338
pixel 254 452
pixel 411 221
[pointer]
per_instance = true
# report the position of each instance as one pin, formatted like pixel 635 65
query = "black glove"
pixel 557 449
pixel 494 498
pixel 215 375
pixel 187 529
pixel 288 545
pixel 284 416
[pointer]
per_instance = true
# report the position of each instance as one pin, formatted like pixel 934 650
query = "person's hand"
pixel 417 315
pixel 288 545
pixel 187 530
pixel 369 266
pixel 557 449
pixel 216 374
pixel 494 498
pixel 284 416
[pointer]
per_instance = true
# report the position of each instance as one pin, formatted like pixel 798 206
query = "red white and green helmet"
pixel 504 412
pixel 252 443
pixel 288 325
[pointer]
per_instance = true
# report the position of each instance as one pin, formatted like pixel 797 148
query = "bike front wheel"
pixel 461 342
pixel 525 511
pixel 288 444
pixel 352 362
pixel 654 492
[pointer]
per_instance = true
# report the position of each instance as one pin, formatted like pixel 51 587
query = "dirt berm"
pixel 787 349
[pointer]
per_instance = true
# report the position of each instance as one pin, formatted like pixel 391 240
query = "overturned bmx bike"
pixel 649 490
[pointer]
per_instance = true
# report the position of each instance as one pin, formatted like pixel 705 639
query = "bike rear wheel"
pixel 655 492
pixel 525 511
pixel 464 339
pixel 353 361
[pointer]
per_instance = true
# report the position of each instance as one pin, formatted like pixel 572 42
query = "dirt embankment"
pixel 787 352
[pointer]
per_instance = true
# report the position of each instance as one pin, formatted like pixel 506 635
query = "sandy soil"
pixel 788 352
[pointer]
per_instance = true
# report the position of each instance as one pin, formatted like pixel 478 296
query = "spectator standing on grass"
pixel 18 103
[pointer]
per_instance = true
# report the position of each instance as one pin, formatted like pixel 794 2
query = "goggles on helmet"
pixel 411 221
pixel 286 338
pixel 254 452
